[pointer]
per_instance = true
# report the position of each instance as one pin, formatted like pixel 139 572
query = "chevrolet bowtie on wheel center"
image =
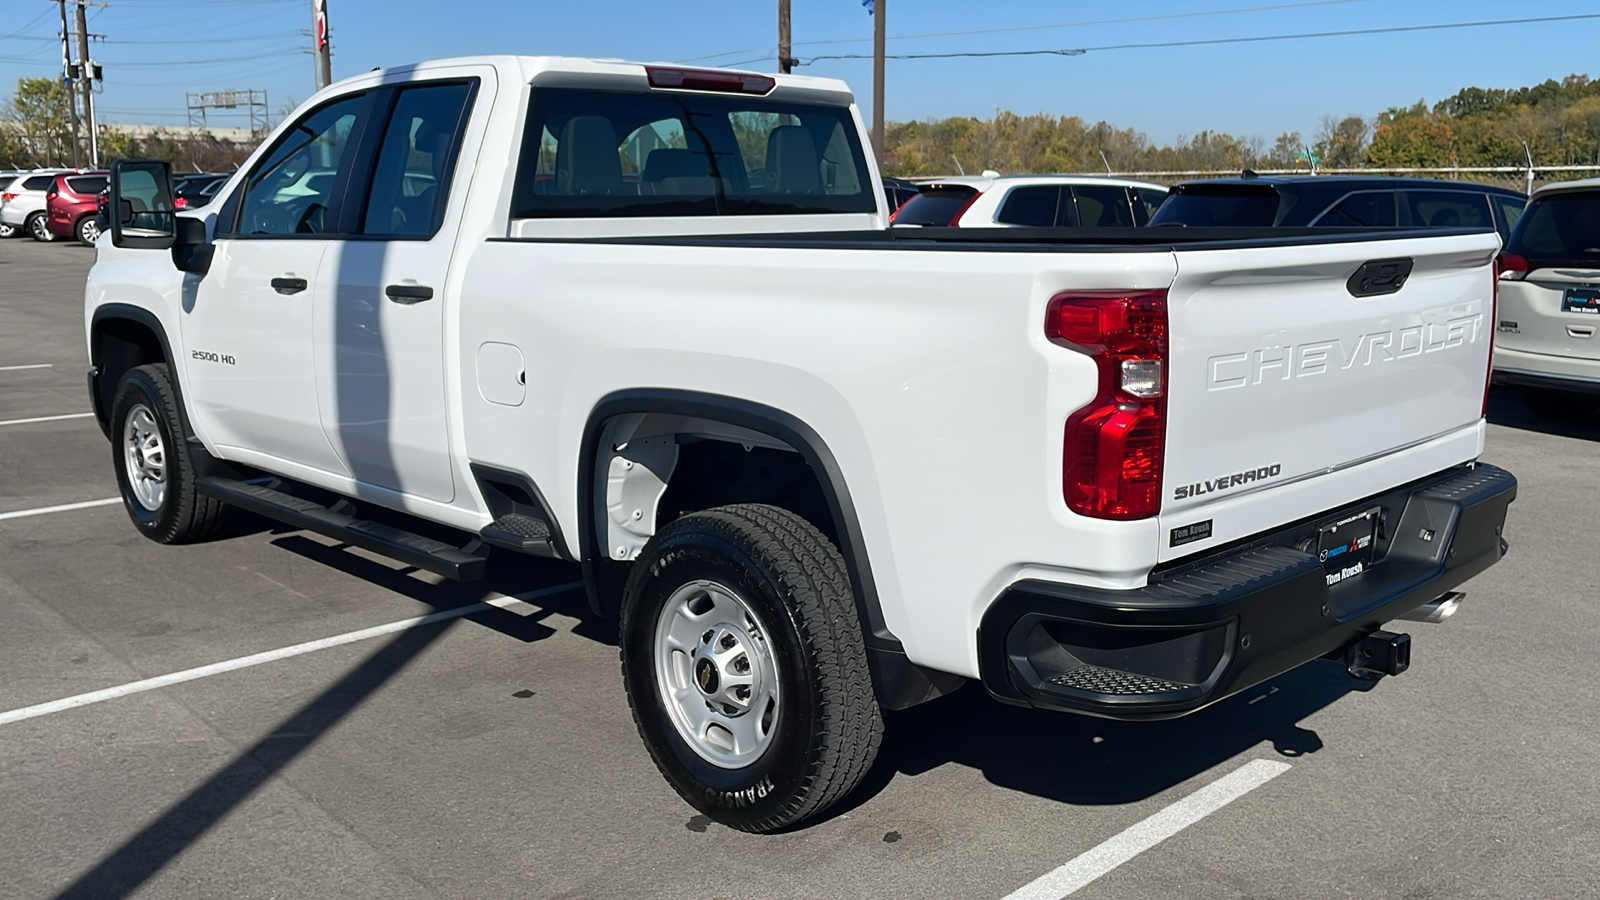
pixel 654 321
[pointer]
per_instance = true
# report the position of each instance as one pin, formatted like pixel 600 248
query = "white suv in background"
pixel 1016 201
pixel 22 203
pixel 1547 338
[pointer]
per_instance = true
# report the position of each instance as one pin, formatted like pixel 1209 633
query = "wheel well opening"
pixel 119 345
pixel 713 472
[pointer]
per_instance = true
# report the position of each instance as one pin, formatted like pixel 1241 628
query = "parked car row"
pixel 46 204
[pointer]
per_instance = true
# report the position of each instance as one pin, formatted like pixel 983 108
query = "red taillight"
pixel 1510 267
pixel 51 194
pixel 709 80
pixel 179 203
pixel 1115 446
pixel 7 196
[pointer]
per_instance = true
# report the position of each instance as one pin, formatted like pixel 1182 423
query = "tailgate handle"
pixel 1377 277
pixel 1580 331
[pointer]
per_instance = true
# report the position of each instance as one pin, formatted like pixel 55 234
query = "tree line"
pixel 1559 121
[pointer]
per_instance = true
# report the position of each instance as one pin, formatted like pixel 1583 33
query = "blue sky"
pixel 155 50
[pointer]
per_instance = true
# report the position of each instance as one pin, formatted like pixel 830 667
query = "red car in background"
pixel 70 205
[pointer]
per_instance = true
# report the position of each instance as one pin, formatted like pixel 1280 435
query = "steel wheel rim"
pixel 145 457
pixel 716 675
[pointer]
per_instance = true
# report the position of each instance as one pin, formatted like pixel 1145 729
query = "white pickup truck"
pixel 653 320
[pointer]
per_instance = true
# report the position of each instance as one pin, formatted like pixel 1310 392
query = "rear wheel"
pixel 88 230
pixel 743 659
pixel 38 228
pixel 7 230
pixel 154 470
pixel 1560 406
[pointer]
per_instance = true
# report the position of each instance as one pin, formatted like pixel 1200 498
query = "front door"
pixel 247 323
pixel 381 299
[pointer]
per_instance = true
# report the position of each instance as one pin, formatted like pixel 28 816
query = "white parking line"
pixel 65 507
pixel 30 366
pixel 245 662
pixel 47 418
pixel 1146 834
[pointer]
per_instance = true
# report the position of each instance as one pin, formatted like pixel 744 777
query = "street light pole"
pixel 877 79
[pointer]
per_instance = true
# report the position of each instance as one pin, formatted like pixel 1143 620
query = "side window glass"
pixel 1368 209
pixel 39 183
pixel 292 187
pixel 1510 211
pixel 1103 206
pixel 1031 206
pixel 410 181
pixel 1448 209
pixel 1150 200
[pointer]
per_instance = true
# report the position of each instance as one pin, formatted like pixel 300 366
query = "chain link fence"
pixel 1522 178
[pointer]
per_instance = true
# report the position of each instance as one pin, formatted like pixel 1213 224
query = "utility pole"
pixel 66 78
pixel 877 79
pixel 785 62
pixel 319 43
pixel 86 79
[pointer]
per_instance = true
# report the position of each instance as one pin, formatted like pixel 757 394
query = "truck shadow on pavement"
pixel 1087 761
pixel 1506 408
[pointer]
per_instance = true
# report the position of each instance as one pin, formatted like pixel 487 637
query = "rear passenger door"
pixel 383 289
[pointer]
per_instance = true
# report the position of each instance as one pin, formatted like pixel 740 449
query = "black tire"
pixel 87 224
pixel 36 228
pixel 828 727
pixel 1560 406
pixel 8 231
pixel 181 516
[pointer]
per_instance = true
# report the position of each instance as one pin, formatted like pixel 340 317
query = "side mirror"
pixel 140 206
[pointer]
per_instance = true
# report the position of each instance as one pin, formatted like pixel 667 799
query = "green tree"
pixel 40 114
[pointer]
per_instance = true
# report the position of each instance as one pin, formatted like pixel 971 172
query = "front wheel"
pixel 1560 406
pixel 39 229
pixel 744 664
pixel 154 470
pixel 88 230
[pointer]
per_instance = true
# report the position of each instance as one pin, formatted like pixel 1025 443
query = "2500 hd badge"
pixel 1226 482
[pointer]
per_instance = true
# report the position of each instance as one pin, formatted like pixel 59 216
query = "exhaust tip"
pixel 1436 611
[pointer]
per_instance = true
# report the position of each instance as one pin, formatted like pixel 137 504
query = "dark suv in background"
pixel 1286 201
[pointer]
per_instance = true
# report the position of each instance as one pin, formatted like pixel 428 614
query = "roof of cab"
pixel 530 67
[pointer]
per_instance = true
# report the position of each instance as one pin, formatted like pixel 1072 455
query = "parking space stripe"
pixel 47 418
pixel 256 659
pixel 30 366
pixel 65 507
pixel 1146 834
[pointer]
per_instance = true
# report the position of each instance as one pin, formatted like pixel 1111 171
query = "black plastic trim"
pixel 499 504
pixel 1440 532
pixel 1567 383
pixel 100 399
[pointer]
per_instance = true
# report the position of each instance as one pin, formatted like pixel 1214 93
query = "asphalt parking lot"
pixel 491 754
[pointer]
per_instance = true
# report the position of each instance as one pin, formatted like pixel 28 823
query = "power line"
pixel 1013 28
pixel 1079 51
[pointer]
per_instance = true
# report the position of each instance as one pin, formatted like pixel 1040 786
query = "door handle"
pixel 288 286
pixel 409 293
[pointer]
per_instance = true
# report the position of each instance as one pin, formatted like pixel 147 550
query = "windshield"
pixel 1559 230
pixel 1225 205
pixel 935 206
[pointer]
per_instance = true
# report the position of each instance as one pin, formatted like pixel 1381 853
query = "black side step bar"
pixel 336 522
pixel 520 532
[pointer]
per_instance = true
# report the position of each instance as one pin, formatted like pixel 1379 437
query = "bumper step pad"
pixel 1097 680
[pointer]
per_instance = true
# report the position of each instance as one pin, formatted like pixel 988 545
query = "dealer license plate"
pixel 1345 545
pixel 1581 300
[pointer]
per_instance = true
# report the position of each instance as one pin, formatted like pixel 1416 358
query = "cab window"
pixel 291 190
pixel 410 181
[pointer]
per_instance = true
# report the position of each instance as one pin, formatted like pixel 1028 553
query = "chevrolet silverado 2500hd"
pixel 652 319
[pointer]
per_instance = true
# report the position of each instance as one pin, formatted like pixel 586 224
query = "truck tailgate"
pixel 1282 375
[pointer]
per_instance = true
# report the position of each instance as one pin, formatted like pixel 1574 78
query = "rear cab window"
pixel 1559 230
pixel 936 205
pixel 593 153
pixel 1362 209
pixel 1446 209
pixel 1220 205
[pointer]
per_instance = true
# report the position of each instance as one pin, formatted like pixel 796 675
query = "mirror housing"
pixel 191 252
pixel 140 207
